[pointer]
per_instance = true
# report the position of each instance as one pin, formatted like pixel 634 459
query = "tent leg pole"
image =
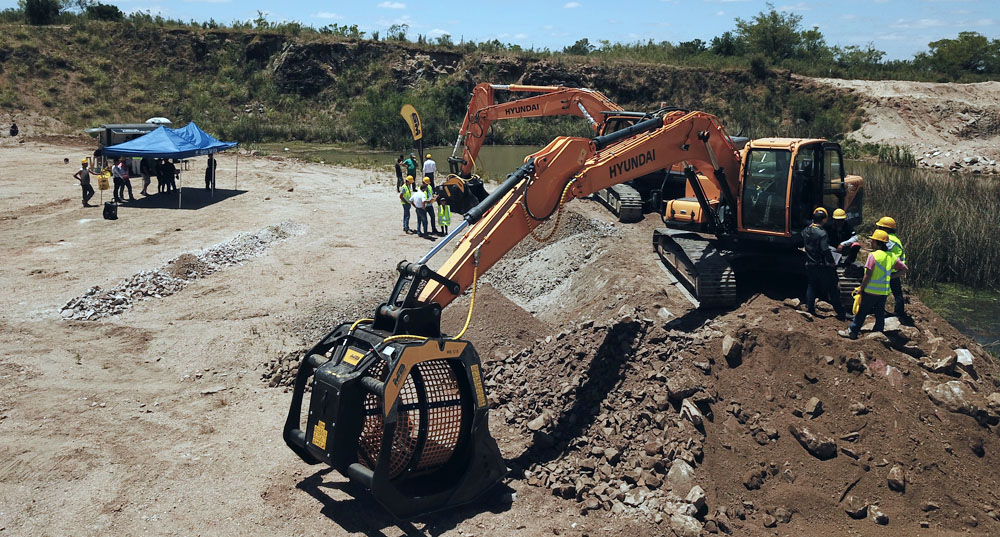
pixel 236 186
pixel 180 190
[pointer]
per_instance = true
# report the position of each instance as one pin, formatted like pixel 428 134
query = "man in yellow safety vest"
pixel 404 197
pixel 429 197
pixel 875 285
pixel 888 224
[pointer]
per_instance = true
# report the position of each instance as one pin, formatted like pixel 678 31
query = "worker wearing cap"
pixel 430 168
pixel 428 190
pixel 888 224
pixel 83 176
pixel 820 268
pixel 411 165
pixel 405 194
pixel 875 285
pixel 843 239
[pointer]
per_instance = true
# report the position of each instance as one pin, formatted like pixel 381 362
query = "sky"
pixel 901 28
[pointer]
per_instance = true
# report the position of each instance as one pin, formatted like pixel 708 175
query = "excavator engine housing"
pixel 406 419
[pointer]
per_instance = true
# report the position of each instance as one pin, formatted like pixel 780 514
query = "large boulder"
pixel 818 445
pixel 956 396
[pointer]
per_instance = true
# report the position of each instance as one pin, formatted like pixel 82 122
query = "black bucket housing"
pixel 406 419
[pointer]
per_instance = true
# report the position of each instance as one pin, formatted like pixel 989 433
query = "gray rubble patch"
pixel 98 303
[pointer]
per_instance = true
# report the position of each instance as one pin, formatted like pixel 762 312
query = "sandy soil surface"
pixel 161 419
pixel 953 120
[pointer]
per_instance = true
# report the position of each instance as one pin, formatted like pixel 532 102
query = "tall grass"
pixel 947 223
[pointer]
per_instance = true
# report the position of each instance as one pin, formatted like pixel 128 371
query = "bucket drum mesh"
pixel 429 420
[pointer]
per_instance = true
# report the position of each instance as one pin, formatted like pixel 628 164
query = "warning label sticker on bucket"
pixel 319 435
pixel 477 379
pixel 353 357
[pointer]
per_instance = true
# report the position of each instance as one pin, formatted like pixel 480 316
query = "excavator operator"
pixel 820 268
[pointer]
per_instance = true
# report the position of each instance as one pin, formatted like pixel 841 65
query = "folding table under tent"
pixel 185 142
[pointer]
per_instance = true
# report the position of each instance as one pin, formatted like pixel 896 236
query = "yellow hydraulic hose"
pixel 359 321
pixel 562 199
pixel 472 300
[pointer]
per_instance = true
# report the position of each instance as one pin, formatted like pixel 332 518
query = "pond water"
pixel 495 161
pixel 975 312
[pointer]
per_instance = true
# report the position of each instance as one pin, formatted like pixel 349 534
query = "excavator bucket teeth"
pixel 406 419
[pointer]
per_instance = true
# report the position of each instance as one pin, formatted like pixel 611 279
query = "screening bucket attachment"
pixel 406 419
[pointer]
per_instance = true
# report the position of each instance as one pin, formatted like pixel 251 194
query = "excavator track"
pixel 701 266
pixel 849 279
pixel 624 201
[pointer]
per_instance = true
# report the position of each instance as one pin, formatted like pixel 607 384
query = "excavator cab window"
pixel 764 189
pixel 834 189
pixel 807 186
pixel 614 124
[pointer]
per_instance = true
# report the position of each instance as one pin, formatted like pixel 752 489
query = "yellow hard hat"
pixel 839 214
pixel 880 236
pixel 428 155
pixel 409 178
pixel 427 180
pixel 886 221
pixel 84 161
pixel 820 210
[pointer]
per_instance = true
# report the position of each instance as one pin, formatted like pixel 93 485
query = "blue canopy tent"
pixel 188 141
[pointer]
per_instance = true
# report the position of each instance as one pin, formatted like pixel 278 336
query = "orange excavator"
pixel 400 408
pixel 626 200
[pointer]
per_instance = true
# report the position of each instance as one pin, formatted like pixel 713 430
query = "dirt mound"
pixel 943 123
pixel 758 417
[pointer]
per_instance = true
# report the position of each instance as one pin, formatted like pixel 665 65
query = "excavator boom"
pixel 548 101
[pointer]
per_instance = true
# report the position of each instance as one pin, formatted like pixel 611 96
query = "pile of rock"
pixel 935 158
pixel 96 303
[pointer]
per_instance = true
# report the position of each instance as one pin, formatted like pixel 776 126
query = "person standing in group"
pixel 399 173
pixel 411 165
pixel 444 216
pixel 875 285
pixel 161 177
pixel 419 201
pixel 125 178
pixel 428 191
pixel 146 169
pixel 169 173
pixel 405 195
pixel 430 168
pixel 820 268
pixel 888 224
pixel 83 176
pixel 119 182
pixel 210 172
pixel 843 239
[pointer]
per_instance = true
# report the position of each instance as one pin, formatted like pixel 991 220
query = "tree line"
pixel 770 39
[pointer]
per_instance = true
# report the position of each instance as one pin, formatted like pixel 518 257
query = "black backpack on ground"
pixel 110 210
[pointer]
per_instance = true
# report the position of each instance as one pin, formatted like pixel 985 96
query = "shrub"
pixel 40 12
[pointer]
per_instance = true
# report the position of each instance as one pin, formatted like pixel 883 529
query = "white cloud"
pixel 919 24
pixel 720 13
pixel 327 15
pixel 801 6
pixel 207 1
pixel 437 32
pixel 572 5
pixel 392 5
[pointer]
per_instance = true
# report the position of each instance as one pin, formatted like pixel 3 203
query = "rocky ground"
pixel 946 126
pixel 619 409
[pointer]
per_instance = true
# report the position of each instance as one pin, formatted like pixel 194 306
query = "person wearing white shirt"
pixel 419 202
pixel 430 168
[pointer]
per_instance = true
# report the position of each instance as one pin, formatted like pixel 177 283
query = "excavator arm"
pixel 549 101
pixel 578 167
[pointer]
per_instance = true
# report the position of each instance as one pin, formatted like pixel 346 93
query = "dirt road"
pixel 159 420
